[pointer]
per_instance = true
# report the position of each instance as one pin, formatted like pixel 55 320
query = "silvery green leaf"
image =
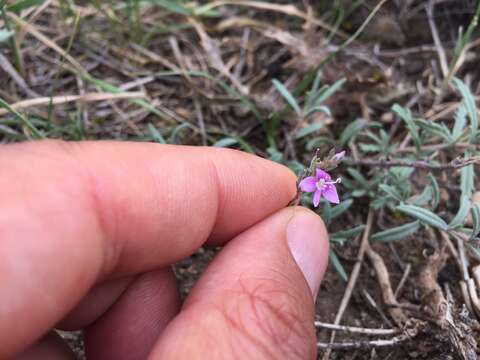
pixel 5 35
pixel 172 6
pixel 474 251
pixel 469 102
pixel 295 166
pixel 390 190
pixel 341 208
pixel 287 95
pixel 332 89
pixel 352 130
pixel 338 266
pixel 374 137
pixel 308 130
pixel 369 148
pixel 475 220
pixel 320 108
pixel 316 82
pixel 424 215
pixel 462 212
pixel 435 129
pixel 406 116
pixel 422 199
pixel 397 233
pixel 313 94
pixel 354 173
pixel 317 142
pixel 460 121
pixel 155 134
pixel 358 193
pixel 327 212
pixel 226 142
pixel 275 155
pixel 467 177
pixel 435 191
pixel 345 234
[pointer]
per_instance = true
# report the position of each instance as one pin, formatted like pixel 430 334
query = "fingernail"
pixel 308 243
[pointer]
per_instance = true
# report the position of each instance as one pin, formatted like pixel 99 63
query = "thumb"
pixel 255 301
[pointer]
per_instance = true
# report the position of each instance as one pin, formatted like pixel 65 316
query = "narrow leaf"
pixel 155 134
pixel 23 4
pixel 172 6
pixel 435 129
pixel 475 220
pixel 390 190
pixel 330 91
pixel 352 130
pixel 469 102
pixel 435 191
pixel 467 177
pixel 308 130
pixel 319 108
pixel 397 233
pixel 26 122
pixel 327 213
pixel 287 95
pixel 406 116
pixel 345 234
pixel 226 142
pixel 424 215
pixel 341 208
pixel 460 121
pixel 462 212
pixel 5 35
pixel 338 266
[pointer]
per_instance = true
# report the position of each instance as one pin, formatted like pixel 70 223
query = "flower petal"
pixel 339 156
pixel 308 184
pixel 330 193
pixel 323 175
pixel 316 197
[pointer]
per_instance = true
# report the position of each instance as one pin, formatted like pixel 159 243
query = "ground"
pixel 401 83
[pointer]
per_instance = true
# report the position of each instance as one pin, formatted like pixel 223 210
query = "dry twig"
pixel 453 165
pixel 384 280
pixel 362 344
pixel 64 99
pixel 352 280
pixel 357 330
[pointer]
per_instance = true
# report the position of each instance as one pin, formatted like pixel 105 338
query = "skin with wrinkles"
pixel 89 231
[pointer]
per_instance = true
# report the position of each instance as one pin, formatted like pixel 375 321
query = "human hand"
pixel 88 232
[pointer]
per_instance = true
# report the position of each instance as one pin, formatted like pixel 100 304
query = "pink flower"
pixel 339 156
pixel 322 185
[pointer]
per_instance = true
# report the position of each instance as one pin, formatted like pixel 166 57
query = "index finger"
pixel 72 213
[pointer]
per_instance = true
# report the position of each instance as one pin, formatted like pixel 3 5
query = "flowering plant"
pixel 320 182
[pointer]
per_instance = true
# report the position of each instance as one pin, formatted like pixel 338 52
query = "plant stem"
pixel 13 41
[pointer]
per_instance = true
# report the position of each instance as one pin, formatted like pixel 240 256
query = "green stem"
pixel 13 41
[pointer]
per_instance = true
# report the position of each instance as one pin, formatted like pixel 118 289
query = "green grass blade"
pixel 37 134
pixel 287 95
pixel 23 5
pixel 155 134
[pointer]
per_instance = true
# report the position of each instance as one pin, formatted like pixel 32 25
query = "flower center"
pixel 322 184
